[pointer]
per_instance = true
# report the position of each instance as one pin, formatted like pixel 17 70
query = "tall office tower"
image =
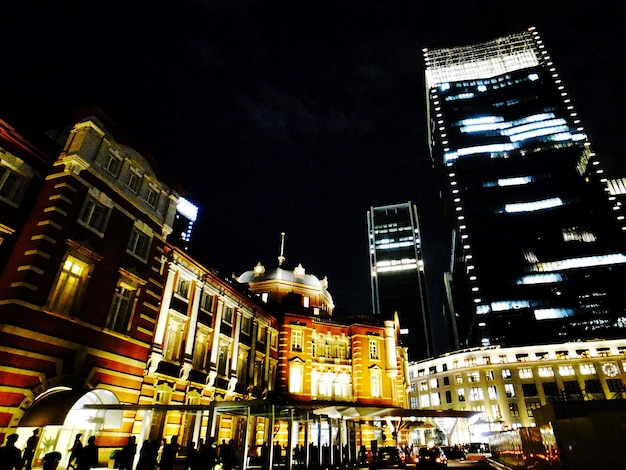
pixel 536 249
pixel 397 273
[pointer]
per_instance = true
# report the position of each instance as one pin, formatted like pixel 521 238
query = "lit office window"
pixel 296 377
pixel 545 372
pixel 173 338
pixel 525 373
pixel 587 369
pixel 376 383
pixel 373 349
pixel 296 340
pixel 476 393
pixel 122 307
pixel 66 295
pixel 200 348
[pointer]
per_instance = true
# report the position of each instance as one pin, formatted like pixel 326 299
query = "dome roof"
pixel 297 276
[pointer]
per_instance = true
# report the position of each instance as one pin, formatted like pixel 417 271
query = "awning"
pixel 51 408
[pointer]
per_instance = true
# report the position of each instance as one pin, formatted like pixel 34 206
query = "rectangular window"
pixel 414 402
pixel 152 197
pixel 10 184
pixel 489 375
pixel 261 334
pixel 66 294
pixel 446 381
pixel 296 378
pixel 587 369
pixel 423 386
pixel 173 338
pixel 615 385
pixel 376 383
pixel 458 379
pixel 495 412
pixel 473 377
pixel 545 372
pixel 434 383
pixel 435 399
pixel 296 340
pixel 373 348
pixel 492 392
pixel 228 315
pixel 571 387
pixel 113 165
pixel 183 287
pixel 529 390
pixel 550 389
pixel 509 389
pixel 121 308
pixel 593 386
pixel 525 373
pixel 448 396
pixel 139 244
pixel 513 410
pixel 461 394
pixel 246 325
pixel 200 348
pixel 95 215
pixel 134 181
pixel 531 406
pixel 425 400
pixel 566 371
pixel 222 359
pixel 207 302
pixel 476 393
pixel 506 373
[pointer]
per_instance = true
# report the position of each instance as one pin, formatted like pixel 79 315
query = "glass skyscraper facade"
pixel 537 251
pixel 397 273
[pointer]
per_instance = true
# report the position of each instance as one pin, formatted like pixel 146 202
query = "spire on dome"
pixel 281 258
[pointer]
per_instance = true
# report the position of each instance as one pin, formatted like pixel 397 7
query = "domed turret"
pixel 295 289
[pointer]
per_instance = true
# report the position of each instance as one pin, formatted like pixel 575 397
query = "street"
pixel 468 464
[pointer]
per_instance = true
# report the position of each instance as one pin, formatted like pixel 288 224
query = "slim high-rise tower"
pixel 397 273
pixel 537 253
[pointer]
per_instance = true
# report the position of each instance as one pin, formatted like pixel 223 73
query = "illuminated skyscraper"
pixel 397 273
pixel 537 251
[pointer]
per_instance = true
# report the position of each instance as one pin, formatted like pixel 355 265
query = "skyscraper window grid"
pixel 536 250
pixel 398 282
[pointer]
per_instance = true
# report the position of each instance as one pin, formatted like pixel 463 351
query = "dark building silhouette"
pixel 537 250
pixel 397 273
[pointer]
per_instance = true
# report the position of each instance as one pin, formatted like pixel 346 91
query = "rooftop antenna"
pixel 281 258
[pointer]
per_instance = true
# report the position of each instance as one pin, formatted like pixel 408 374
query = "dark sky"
pixel 292 116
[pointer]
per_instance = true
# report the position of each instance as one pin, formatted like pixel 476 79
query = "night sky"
pixel 292 116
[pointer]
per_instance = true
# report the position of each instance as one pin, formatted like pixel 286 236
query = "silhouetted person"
pixel 29 450
pixel 127 454
pixel 147 455
pixel 168 456
pixel 75 451
pixel 10 456
pixel 191 462
pixel 88 458
pixel 227 455
pixel 207 455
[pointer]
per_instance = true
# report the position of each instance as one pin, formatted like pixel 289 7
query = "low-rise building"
pixel 506 385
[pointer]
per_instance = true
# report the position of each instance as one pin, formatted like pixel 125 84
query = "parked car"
pixel 388 457
pixel 432 457
pixel 454 452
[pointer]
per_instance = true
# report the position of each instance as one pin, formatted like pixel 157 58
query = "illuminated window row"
pixel 533 206
pixel 585 262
